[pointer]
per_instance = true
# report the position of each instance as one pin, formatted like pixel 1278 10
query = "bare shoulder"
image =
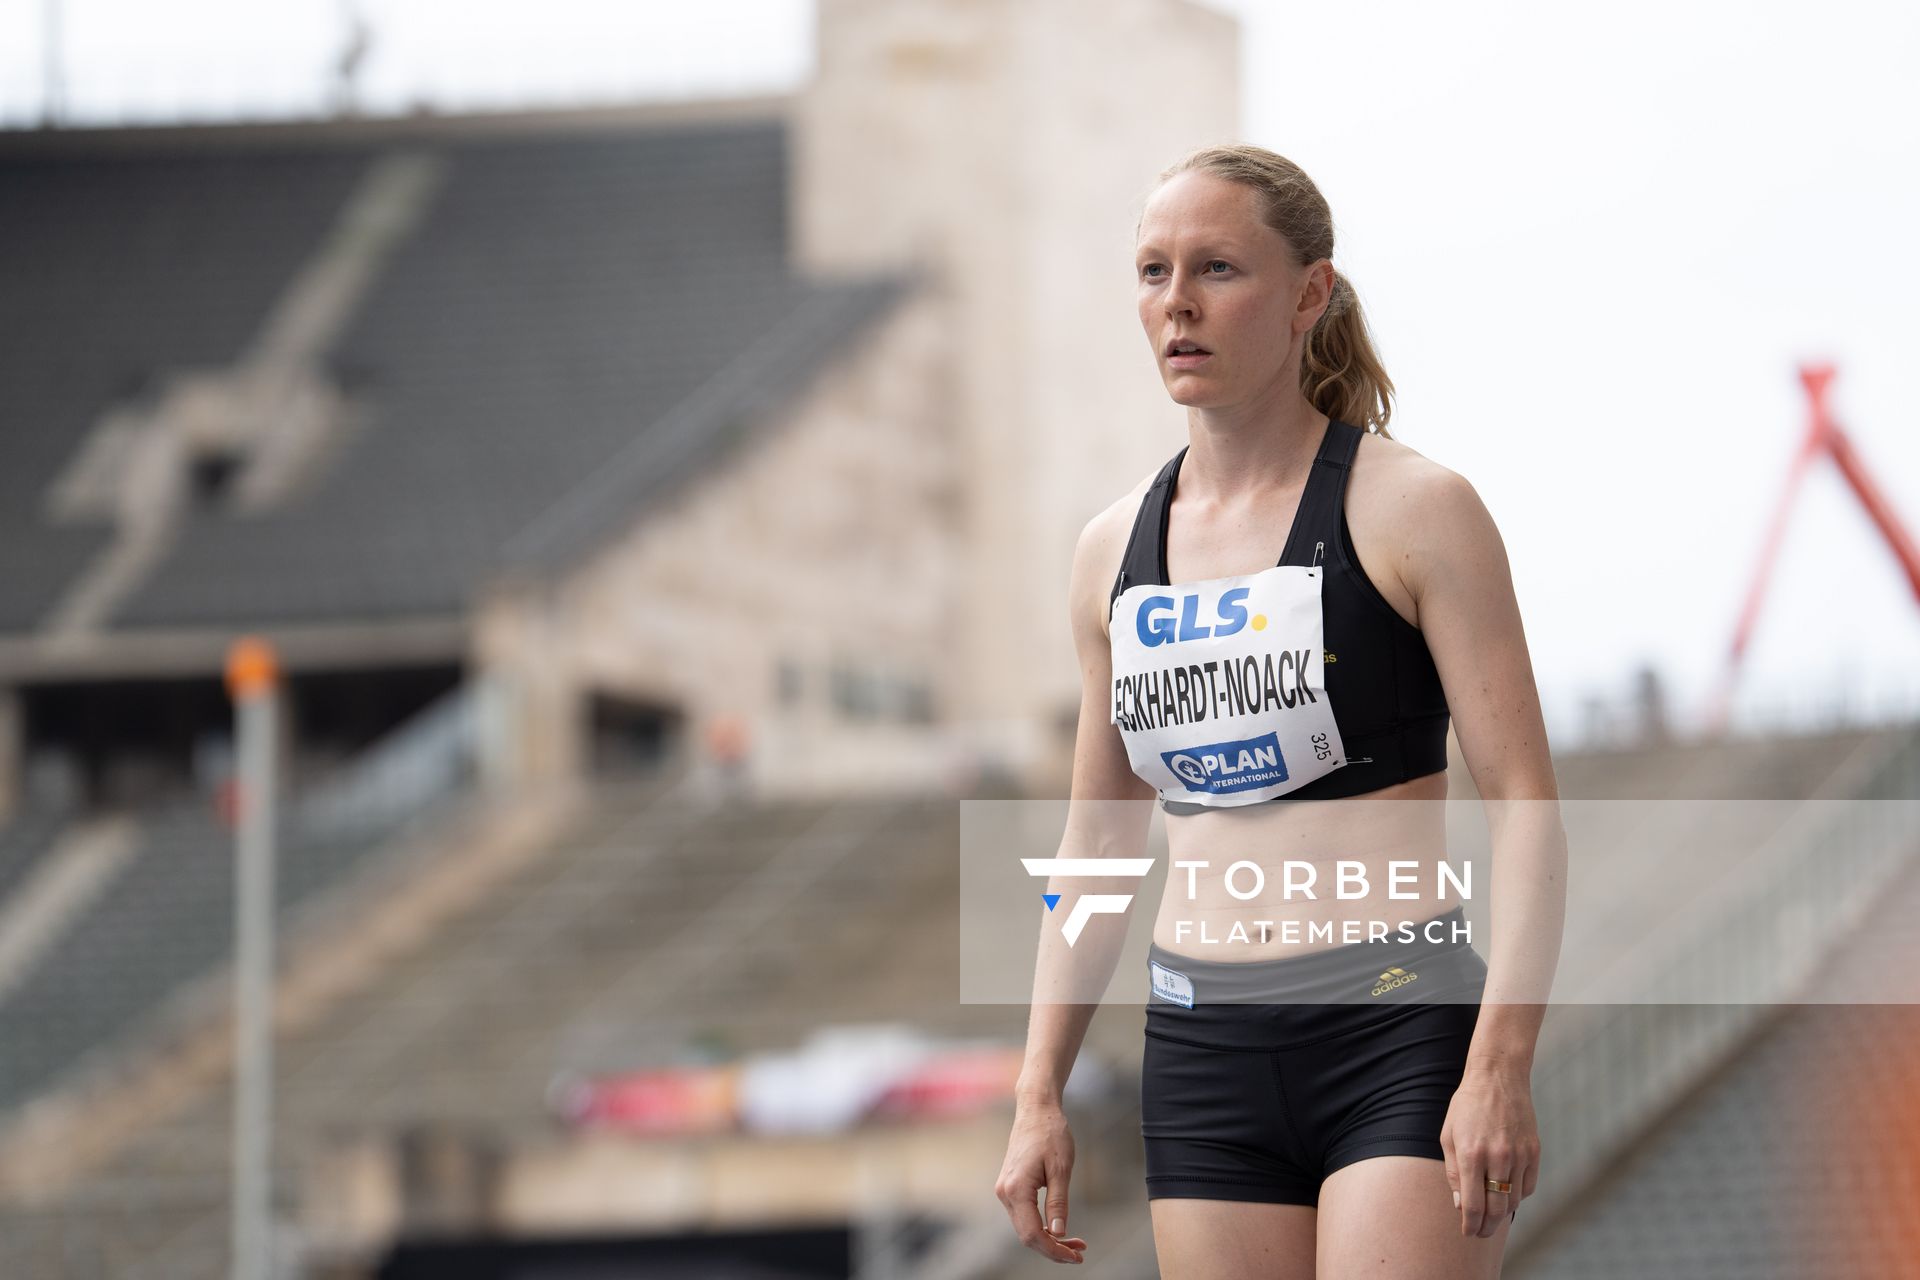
pixel 1403 510
pixel 1097 555
pixel 1395 469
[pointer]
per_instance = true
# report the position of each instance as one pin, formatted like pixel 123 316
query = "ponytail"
pixel 1340 372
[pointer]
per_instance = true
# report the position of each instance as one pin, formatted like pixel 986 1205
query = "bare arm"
pixel 1458 571
pixel 1456 567
pixel 1107 817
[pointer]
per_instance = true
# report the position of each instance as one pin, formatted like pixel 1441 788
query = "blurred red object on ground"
pixel 952 1084
pixel 676 1100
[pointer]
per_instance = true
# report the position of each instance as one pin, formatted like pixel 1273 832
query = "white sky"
pixel 1593 242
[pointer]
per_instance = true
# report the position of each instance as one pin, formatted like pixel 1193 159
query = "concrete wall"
pixel 829 544
pixel 1011 144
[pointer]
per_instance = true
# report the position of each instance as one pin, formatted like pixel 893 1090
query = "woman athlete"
pixel 1333 1084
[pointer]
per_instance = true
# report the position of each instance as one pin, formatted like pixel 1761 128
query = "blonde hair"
pixel 1340 373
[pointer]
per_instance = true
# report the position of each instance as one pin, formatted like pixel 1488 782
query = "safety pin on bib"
pixel 1318 549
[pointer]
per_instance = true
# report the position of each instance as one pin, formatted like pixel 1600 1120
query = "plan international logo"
pixel 1087 905
pixel 1222 767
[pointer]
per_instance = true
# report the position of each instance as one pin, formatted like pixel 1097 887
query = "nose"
pixel 1178 299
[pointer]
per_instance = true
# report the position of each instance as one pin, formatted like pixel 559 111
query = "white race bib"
pixel 1219 687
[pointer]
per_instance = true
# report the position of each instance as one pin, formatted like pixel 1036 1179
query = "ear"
pixel 1316 294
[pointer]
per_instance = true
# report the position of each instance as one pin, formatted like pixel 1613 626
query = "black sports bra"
pixel 1379 675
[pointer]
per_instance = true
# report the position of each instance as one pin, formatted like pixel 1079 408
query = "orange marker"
pixel 252 668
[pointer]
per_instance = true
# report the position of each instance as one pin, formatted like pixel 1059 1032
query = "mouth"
pixel 1189 359
pixel 1184 346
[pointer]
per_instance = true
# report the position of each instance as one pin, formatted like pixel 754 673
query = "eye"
pixel 1216 262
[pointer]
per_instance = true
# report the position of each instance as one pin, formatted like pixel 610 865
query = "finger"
pixel 1025 1213
pixel 1499 1203
pixel 1056 1210
pixel 1049 1242
pixel 1473 1191
pixel 1059 1171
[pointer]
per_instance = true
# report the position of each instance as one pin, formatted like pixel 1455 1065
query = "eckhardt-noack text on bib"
pixel 1190 693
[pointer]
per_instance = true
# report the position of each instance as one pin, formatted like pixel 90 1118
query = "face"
pixel 1208 271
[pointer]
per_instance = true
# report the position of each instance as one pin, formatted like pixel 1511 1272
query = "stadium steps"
pixel 1790 884
pixel 656 928
pixel 1798 1157
pixel 57 886
pixel 26 836
pixel 168 1189
pixel 744 906
pixel 595 965
pixel 130 960
pixel 111 1235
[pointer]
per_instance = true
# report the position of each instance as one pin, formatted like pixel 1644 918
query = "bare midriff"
pixel 1403 825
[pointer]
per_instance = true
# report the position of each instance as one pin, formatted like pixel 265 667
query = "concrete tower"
pixel 1008 146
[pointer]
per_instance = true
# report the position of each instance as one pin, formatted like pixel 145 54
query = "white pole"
pixel 52 90
pixel 251 679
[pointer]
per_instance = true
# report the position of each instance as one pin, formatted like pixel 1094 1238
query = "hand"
pixel 1040 1154
pixel 1490 1133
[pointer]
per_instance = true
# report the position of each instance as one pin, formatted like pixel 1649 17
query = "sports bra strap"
pixel 1318 518
pixel 1145 558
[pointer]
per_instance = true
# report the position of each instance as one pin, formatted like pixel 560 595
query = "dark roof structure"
pixel 578 322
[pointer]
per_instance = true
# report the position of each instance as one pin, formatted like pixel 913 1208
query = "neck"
pixel 1228 462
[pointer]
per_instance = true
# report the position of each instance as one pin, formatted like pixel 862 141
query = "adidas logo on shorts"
pixel 1393 978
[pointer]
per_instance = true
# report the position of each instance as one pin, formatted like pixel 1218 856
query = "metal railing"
pixel 1611 720
pixel 426 758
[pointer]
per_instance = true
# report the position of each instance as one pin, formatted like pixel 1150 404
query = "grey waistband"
pixel 1427 960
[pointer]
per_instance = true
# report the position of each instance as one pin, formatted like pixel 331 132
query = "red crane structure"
pixel 1823 436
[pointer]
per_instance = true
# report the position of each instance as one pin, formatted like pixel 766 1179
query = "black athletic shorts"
pixel 1260 1078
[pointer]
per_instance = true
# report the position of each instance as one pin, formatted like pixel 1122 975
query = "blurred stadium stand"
pixel 261 385
pixel 418 1098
